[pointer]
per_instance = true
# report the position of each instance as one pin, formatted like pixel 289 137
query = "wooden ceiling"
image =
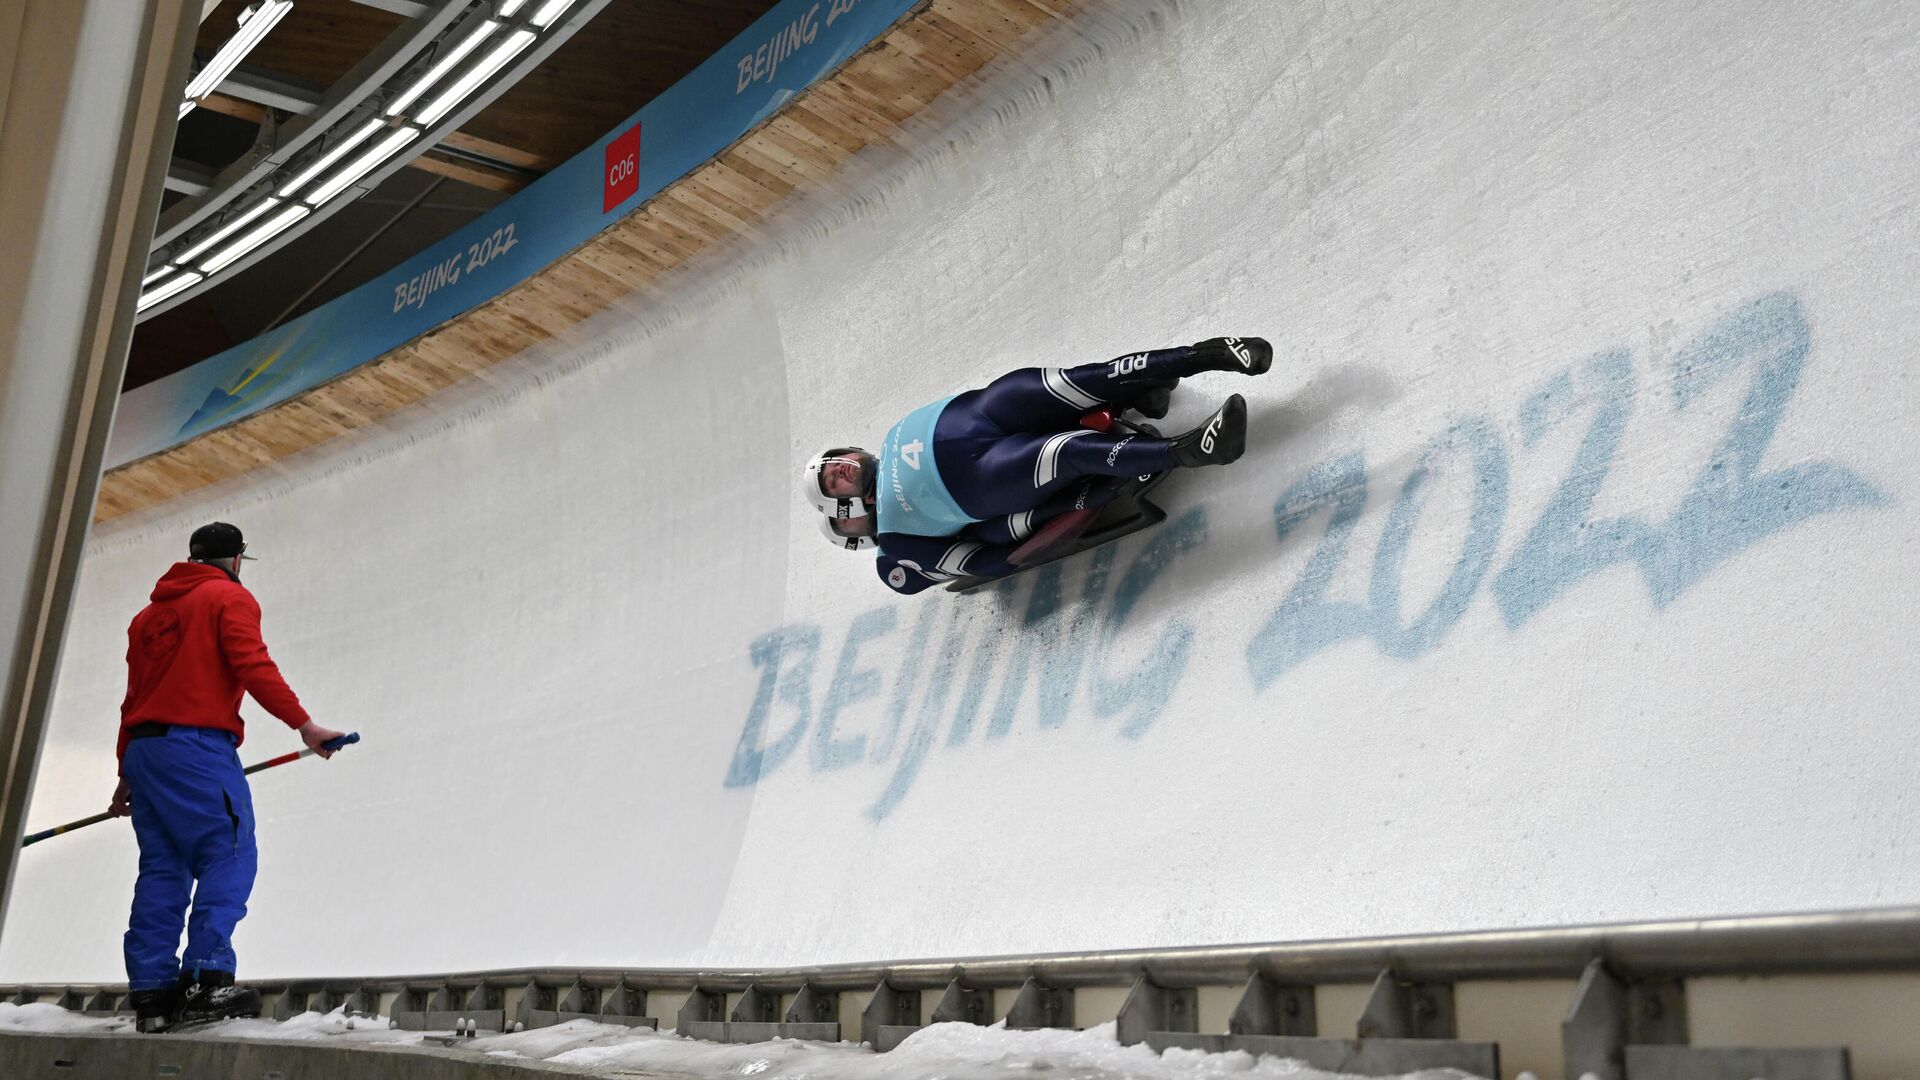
pixel 628 54
pixel 861 108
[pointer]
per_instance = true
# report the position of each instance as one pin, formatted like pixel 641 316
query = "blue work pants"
pixel 193 817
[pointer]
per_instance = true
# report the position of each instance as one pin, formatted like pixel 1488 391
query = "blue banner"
pixel 782 53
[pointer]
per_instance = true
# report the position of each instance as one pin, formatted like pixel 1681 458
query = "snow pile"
pixel 939 1052
pixel 48 1017
pixel 314 1025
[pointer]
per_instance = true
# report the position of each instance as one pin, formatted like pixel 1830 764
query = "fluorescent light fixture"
pixel 177 285
pixel 269 229
pixel 550 11
pixel 254 24
pixel 507 9
pixel 362 165
pixel 478 74
pixel 439 70
pixel 156 275
pixel 228 229
pixel 333 154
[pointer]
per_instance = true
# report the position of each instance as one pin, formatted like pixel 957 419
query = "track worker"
pixel 190 654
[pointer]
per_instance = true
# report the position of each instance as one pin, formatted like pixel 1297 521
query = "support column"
pixel 86 127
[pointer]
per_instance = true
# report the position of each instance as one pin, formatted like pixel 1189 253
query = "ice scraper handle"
pixel 334 743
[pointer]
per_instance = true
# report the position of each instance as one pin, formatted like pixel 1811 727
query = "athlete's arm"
pixel 909 564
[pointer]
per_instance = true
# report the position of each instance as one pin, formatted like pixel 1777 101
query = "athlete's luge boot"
pixel 153 1010
pixel 212 996
pixel 1247 355
pixel 1219 441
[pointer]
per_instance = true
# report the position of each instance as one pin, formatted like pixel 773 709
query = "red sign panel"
pixel 623 169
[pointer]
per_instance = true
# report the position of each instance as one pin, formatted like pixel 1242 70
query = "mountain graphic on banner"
pixel 230 401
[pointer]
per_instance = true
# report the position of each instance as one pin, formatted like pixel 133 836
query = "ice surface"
pixel 1571 575
pixel 937 1052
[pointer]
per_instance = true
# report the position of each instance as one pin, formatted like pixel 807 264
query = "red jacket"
pixel 193 650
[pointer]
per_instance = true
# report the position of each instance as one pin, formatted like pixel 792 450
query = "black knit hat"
pixel 218 540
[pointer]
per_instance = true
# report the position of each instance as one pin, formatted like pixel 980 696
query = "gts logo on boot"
pixel 1206 437
pixel 1240 352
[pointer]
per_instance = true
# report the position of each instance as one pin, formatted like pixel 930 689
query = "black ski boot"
pixel 1247 355
pixel 1219 441
pixel 212 997
pixel 154 1010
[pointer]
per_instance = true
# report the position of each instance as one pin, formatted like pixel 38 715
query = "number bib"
pixel 909 496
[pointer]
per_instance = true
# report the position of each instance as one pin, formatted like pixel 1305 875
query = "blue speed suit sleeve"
pixel 909 563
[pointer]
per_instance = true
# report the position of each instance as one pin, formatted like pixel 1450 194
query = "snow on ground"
pixel 938 1052
pixel 45 1016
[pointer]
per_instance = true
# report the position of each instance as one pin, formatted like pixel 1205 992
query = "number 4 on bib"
pixel 910 453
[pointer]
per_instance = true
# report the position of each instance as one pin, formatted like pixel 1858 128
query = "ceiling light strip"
pixel 439 71
pixel 255 25
pixel 228 229
pixel 550 11
pixel 171 288
pixel 363 165
pixel 478 74
pixel 271 228
pixel 333 154
pixel 257 22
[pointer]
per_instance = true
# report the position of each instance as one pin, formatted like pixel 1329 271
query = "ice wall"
pixel 1570 576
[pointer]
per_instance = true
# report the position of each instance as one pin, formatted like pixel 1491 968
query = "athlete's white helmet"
pixel 841 512
pixel 831 524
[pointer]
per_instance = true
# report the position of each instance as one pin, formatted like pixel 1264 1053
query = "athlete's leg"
pixel 1024 471
pixel 1090 493
pixel 1054 399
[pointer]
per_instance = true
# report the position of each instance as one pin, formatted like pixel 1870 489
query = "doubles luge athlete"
pixel 960 483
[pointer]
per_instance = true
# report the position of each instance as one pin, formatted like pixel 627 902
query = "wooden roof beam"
pixel 234 107
pixel 468 171
pixel 500 152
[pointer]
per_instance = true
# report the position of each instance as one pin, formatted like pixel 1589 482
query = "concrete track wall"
pixel 1569 577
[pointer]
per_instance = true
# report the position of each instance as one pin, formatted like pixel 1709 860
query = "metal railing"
pixel 1629 1005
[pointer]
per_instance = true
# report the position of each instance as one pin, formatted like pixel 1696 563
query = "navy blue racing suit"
pixel 1006 459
